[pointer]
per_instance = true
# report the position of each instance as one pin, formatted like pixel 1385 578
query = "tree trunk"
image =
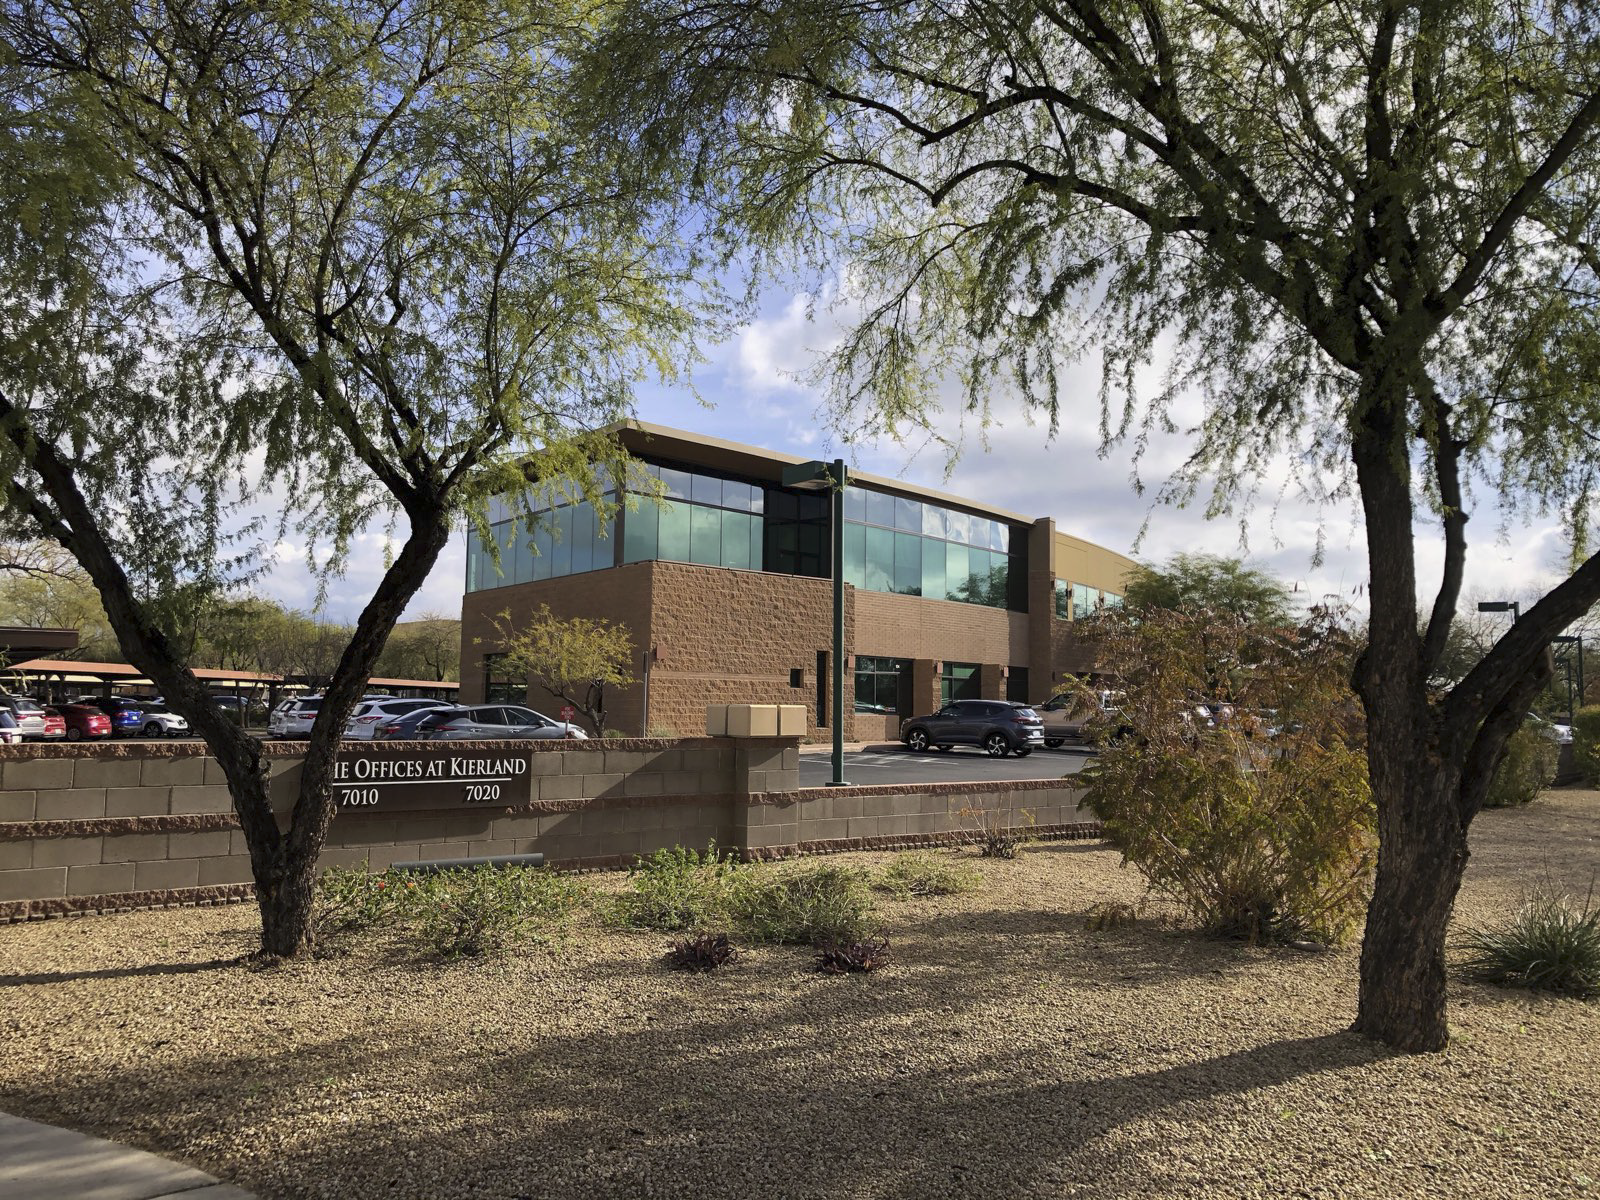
pixel 1422 852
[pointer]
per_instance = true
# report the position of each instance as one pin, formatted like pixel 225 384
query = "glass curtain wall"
pixel 702 519
pixel 1085 600
pixel 897 544
pixel 566 540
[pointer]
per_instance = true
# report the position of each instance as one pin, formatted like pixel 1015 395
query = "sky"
pixel 753 389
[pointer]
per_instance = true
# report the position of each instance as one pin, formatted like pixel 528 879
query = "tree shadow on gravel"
pixel 177 968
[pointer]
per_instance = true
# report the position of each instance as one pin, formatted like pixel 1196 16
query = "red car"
pixel 81 722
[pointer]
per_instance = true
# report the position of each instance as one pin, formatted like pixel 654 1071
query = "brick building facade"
pixel 945 597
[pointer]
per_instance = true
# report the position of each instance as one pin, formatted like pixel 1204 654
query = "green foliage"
pixel 1550 945
pixel 577 658
pixel 472 911
pixel 923 874
pixel 486 910
pixel 810 905
pixel 1586 742
pixel 675 889
pixel 1529 766
pixel 351 900
pixel 1198 583
pixel 1258 835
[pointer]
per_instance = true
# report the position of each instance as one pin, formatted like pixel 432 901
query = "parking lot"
pixel 883 765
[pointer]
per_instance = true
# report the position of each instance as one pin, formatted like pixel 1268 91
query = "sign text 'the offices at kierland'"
pixel 369 779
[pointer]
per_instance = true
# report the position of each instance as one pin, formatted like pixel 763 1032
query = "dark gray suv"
pixel 999 727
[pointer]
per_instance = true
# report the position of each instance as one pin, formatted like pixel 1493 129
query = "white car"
pixel 10 732
pixel 1558 733
pixel 293 718
pixel 158 722
pixel 369 714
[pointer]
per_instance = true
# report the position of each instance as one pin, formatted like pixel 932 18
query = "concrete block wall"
pixel 103 828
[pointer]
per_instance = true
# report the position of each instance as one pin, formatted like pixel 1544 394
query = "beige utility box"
pixel 755 720
pixel 752 720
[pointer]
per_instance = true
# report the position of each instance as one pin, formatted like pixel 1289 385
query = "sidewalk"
pixel 42 1162
pixel 826 748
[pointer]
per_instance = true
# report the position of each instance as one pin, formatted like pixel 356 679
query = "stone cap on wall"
pixel 26 751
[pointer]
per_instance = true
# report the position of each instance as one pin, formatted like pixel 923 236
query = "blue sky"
pixel 753 384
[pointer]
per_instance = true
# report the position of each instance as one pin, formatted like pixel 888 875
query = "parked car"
pixel 84 722
pixel 1558 733
pixel 369 714
pixel 10 733
pixel 29 715
pixel 488 721
pixel 127 718
pixel 243 709
pixel 294 718
pixel 998 726
pixel 131 717
pixel 55 725
pixel 1066 716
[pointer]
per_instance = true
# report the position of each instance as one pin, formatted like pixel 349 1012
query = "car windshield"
pixel 24 705
pixel 7 721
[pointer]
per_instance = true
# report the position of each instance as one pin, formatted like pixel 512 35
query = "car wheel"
pixel 917 740
pixel 74 735
pixel 1054 743
pixel 1024 751
pixel 996 745
pixel 153 729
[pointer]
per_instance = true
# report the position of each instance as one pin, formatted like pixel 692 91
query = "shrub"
pixel 920 874
pixel 997 832
pixel 676 889
pixel 704 953
pixel 485 910
pixel 1261 825
pixel 1529 766
pixel 353 900
pixel 816 905
pixel 1586 742
pixel 1550 944
pixel 853 956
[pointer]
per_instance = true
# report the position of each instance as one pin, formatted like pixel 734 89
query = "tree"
pixel 1364 236
pixel 50 591
pixel 1196 583
pixel 576 659
pixel 342 255
pixel 427 648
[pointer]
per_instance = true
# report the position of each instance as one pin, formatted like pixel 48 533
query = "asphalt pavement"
pixel 958 765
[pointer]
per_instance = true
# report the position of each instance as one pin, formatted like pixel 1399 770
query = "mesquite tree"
pixel 1363 233
pixel 340 260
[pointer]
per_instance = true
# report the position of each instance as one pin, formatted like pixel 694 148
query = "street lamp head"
pixel 1496 605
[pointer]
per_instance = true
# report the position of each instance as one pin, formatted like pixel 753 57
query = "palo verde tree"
pixel 576 659
pixel 1363 233
pixel 352 259
pixel 1197 583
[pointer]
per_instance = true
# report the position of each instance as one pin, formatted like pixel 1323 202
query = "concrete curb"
pixel 43 1162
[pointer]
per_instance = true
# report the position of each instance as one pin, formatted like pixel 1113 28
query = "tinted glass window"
pixel 486 716
pixel 306 707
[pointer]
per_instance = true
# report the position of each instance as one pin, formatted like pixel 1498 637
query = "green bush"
pixel 1277 847
pixel 922 874
pixel 485 910
pixel 351 900
pixel 1529 766
pixel 1550 944
pixel 1586 743
pixel 676 889
pixel 817 905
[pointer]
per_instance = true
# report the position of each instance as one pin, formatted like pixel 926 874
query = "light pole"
pixel 1572 639
pixel 817 476
pixel 1510 606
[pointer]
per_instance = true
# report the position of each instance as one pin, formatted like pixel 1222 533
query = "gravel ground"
pixel 1008 1051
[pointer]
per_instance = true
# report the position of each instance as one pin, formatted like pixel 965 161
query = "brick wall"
pixel 98 828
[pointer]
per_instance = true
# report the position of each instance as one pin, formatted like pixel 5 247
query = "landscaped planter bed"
pixel 1007 1050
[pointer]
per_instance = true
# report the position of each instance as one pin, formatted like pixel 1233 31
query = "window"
pixel 914 548
pixel 883 685
pixel 1084 600
pixel 1017 685
pixel 498 685
pixel 566 540
pixel 1063 600
pixel 958 681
